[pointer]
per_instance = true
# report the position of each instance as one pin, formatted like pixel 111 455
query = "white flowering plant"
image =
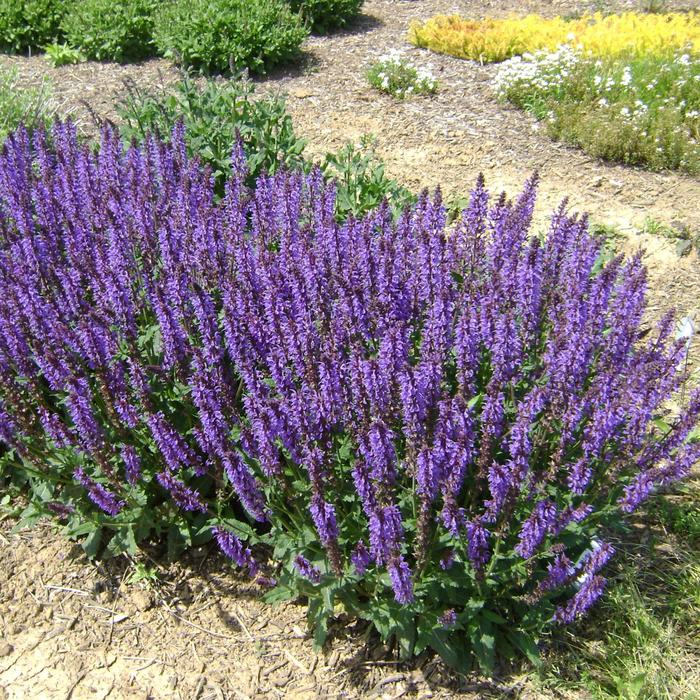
pixel 397 75
pixel 637 110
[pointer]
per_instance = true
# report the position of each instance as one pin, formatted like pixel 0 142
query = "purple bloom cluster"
pixel 307 569
pixel 235 550
pixel 98 494
pixel 486 387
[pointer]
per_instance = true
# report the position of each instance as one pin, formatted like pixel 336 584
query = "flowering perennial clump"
pixel 642 111
pixel 429 427
pixel 629 33
pixel 397 75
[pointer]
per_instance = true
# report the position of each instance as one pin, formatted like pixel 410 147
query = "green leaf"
pixel 451 650
pixel 527 645
pixel 91 544
pixel 485 646
pixel 123 540
pixel 178 540
pixel 279 594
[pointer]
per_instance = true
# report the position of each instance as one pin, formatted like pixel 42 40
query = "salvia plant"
pixel 429 428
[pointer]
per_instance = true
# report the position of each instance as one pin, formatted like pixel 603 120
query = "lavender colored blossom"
pixel 478 544
pixel 361 558
pixel 98 494
pixel 323 515
pixel 414 385
pixel 235 550
pixel 536 528
pixel 307 569
pixel 448 618
pixel 401 580
pixel 132 463
pixel 184 496
pixel 585 597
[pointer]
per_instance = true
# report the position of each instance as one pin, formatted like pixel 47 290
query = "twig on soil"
pixel 77 591
pixel 202 629
pixel 74 684
pixel 296 662
pixel 242 624
pixel 203 607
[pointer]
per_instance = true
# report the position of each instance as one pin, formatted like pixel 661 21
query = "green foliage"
pixel 213 111
pixel 361 180
pixel 111 31
pixel 640 111
pixel 325 15
pixel 397 76
pixel 62 55
pixel 219 35
pixel 29 24
pixel 20 105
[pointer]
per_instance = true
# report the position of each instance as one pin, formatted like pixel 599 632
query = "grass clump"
pixel 109 31
pixel 641 111
pixel 29 24
pixel 326 15
pixel 490 39
pixel 399 77
pixel 221 34
pixel 19 105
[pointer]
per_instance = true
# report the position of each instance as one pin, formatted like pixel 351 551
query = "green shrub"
pixel 29 24
pixel 222 34
pixel 324 15
pixel 111 31
pixel 214 110
pixel 212 114
pixel 21 106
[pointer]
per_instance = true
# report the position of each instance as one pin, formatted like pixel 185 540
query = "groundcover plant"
pixel 433 429
pixel 640 111
pixel 603 36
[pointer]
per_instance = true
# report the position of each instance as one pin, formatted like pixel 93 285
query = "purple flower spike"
pixel 401 580
pixel 98 494
pixel 307 569
pixel 361 558
pixel 478 545
pixel 584 599
pixel 448 619
pixel 235 550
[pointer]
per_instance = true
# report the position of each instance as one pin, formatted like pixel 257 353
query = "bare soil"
pixel 73 629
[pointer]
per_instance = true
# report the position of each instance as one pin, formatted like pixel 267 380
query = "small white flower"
pixel 626 76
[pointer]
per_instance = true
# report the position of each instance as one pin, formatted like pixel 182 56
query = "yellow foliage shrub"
pixel 490 40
